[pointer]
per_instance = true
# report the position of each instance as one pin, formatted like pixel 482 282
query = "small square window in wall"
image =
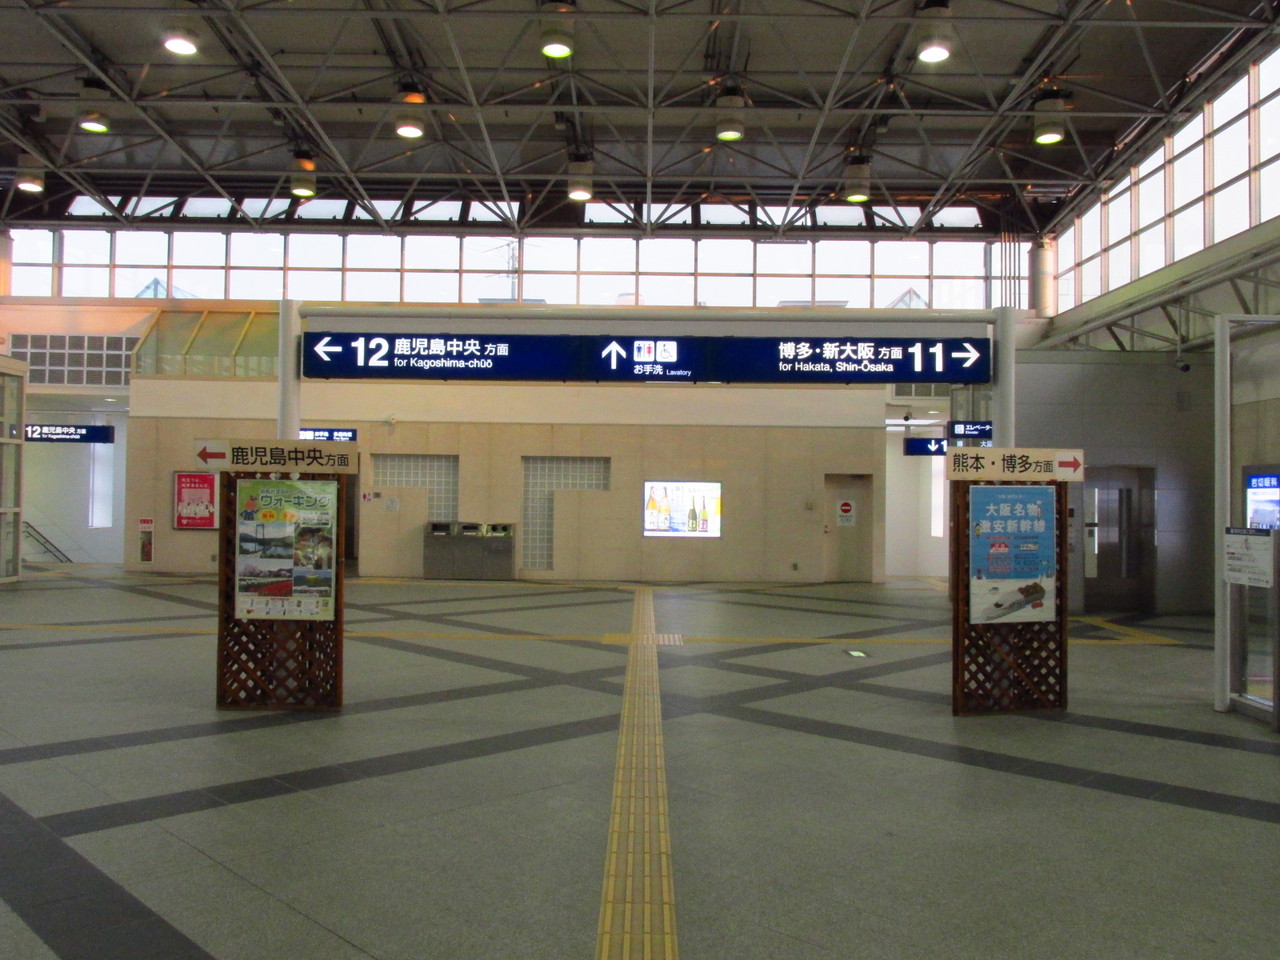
pixel 853 292
pixel 542 477
pixel 431 287
pixel 433 253
pixel 659 291
pixel 256 284
pixel 314 284
pixel 257 250
pixel 199 249
pixel 1268 193
pixel 372 286
pixel 32 246
pixel 1231 210
pixel 32 281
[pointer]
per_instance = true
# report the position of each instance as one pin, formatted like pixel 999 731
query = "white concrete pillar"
pixel 288 417
pixel 1042 269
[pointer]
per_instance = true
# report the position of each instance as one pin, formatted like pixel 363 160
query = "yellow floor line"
pixel 1126 634
pixel 637 903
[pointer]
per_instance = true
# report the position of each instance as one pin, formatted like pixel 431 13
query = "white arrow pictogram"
pixel 970 355
pixel 324 349
pixel 613 352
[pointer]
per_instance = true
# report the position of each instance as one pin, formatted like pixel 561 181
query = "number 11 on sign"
pixel 917 352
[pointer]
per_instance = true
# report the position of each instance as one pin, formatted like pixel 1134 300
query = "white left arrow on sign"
pixel 971 354
pixel 613 352
pixel 324 349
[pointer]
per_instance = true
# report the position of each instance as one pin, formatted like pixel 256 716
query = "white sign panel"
pixel 1014 463
pixel 277 456
pixel 1250 557
pixel 844 513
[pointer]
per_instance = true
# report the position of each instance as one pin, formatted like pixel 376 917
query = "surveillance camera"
pixel 1182 365
pixel 906 417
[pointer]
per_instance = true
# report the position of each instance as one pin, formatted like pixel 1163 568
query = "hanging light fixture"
pixel 180 40
pixel 855 185
pixel 29 177
pixel 730 121
pixel 94 121
pixel 1049 125
pixel 581 173
pixel 302 181
pixel 935 37
pixel 410 127
pixel 557 28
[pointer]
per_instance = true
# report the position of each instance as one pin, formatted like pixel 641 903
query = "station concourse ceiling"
pixel 283 87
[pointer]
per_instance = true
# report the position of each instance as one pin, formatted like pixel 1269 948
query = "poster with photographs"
pixel 285 545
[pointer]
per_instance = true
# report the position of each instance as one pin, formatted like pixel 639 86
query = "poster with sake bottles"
pixel 681 508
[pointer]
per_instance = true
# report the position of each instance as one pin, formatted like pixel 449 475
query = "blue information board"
pixel 589 359
pixel 62 433
pixel 923 446
pixel 969 429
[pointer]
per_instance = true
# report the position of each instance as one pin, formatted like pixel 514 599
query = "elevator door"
pixel 1120 545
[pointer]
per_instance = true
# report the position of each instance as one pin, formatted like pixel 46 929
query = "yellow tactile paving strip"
pixel 637 904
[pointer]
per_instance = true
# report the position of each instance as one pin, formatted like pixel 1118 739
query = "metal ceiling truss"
pixel 822 81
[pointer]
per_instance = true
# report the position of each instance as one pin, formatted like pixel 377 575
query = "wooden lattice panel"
pixel 294 664
pixel 1006 667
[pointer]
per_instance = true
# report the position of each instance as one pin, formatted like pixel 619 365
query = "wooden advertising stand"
pixel 1009 632
pixel 280 576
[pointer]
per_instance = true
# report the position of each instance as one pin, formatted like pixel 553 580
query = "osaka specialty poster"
pixel 1012 555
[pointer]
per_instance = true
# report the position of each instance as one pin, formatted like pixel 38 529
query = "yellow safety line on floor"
pixel 637 903
pixel 1127 634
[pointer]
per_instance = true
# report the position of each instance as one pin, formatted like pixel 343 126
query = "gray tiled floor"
pixel 822 805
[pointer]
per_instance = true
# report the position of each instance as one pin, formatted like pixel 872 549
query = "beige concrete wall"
pixel 772 477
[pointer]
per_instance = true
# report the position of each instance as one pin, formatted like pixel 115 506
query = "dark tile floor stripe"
pixel 106 816
pixel 1205 800
pixel 75 908
pixel 530 594
pixel 896 629
pixel 98 641
pixel 794 608
pixel 149 592
pixel 600 679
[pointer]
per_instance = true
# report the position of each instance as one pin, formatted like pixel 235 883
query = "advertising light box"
pixel 1262 497
pixel 681 508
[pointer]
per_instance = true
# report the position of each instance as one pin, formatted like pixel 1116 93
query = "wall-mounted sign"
pixel 1012 560
pixel 284 456
pixel 589 359
pixel 923 446
pixel 1250 557
pixel 146 539
pixel 845 513
pixel 328 434
pixel 285 549
pixel 66 433
pixel 1014 463
pixel 195 501
pixel 969 429
pixel 1262 498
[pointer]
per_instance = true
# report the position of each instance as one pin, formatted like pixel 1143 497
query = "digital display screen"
pixel 1262 500
pixel 681 508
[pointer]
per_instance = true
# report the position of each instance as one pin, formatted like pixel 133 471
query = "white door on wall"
pixel 846 527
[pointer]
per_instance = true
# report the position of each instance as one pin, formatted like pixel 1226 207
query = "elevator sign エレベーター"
pixel 596 359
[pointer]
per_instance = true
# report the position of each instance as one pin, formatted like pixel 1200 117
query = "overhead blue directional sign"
pixel 588 359
pixel 923 446
pixel 63 433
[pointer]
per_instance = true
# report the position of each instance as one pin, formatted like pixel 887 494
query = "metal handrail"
pixel 45 543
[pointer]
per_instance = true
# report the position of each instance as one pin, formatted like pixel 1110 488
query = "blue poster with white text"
pixel 1012 554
